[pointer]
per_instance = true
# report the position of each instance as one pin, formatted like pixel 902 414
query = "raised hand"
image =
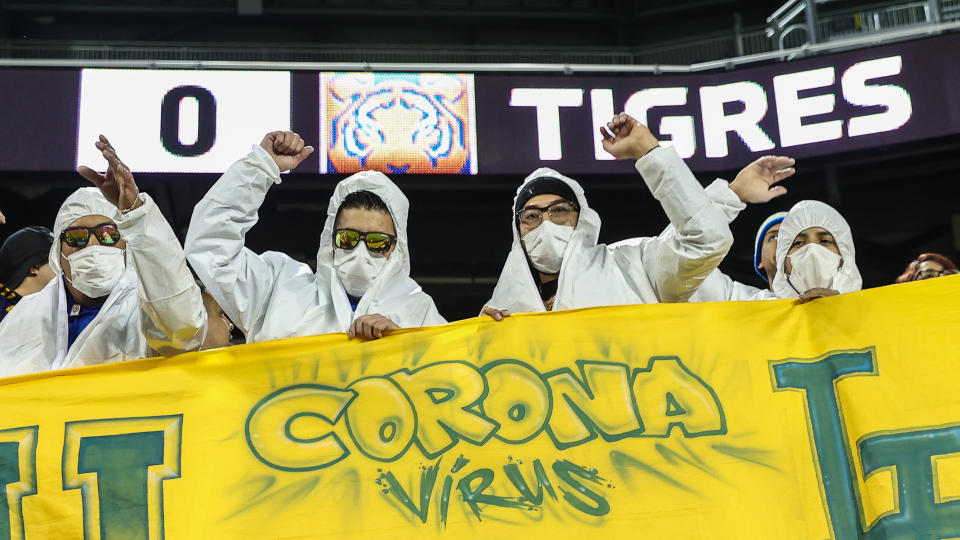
pixel 286 148
pixel 629 140
pixel 3 219
pixel 756 183
pixel 117 184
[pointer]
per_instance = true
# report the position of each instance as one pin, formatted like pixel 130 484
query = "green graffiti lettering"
pixel 445 499
pixel 18 478
pixel 567 471
pixel 519 400
pixel 444 394
pixel 428 478
pixel 543 482
pixel 670 395
pixel 919 515
pixel 673 407
pixel 460 463
pixel 580 412
pixel 817 380
pixel 381 420
pixel 119 466
pixel 435 406
pixel 473 494
pixel 120 463
pixel 278 431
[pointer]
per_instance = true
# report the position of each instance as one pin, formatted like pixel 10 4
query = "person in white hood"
pixel 815 254
pixel 362 283
pixel 122 289
pixel 804 256
pixel 719 287
pixel 556 263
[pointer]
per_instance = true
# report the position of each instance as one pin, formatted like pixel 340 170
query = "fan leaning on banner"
pixel 556 263
pixel 806 253
pixel 362 282
pixel 122 288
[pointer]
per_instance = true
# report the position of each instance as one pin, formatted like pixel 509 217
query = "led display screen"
pixel 461 123
pixel 397 123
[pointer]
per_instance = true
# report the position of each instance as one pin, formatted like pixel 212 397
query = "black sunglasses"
pixel 560 210
pixel 78 237
pixel 377 242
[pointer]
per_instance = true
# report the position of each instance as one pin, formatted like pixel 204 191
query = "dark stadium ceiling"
pixel 539 8
pixel 569 23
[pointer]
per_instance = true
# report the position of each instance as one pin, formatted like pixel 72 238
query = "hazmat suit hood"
pixel 396 272
pixel 273 296
pixel 807 214
pixel 517 289
pixel 645 270
pixel 88 201
pixel 83 202
pixel 156 311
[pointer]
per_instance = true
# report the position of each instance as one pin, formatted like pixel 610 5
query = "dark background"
pixel 900 200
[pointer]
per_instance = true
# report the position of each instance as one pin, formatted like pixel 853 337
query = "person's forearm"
pixel 236 277
pixel 701 236
pixel 174 317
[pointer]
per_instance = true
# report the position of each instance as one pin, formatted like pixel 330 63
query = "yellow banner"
pixel 835 419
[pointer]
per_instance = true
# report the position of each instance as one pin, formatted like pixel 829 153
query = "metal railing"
pixel 423 66
pixel 868 19
pixel 722 48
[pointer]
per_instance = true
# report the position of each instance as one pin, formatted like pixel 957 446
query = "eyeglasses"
pixel 78 237
pixel 377 242
pixel 931 273
pixel 559 212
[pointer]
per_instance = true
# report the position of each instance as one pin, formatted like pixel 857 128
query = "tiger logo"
pixel 397 123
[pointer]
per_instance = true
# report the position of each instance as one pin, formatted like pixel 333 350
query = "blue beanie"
pixel 758 243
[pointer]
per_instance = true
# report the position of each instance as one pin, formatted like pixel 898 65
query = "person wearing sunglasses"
pixel 362 282
pixel 121 289
pixel 556 263
pixel 928 266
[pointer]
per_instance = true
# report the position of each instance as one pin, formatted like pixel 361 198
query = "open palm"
pixel 117 184
pixel 757 182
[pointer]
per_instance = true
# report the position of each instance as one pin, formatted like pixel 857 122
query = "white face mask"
pixel 813 267
pixel 357 268
pixel 545 246
pixel 95 270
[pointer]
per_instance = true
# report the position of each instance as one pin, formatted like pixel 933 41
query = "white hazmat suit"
pixel 665 268
pixel 271 295
pixel 155 308
pixel 807 214
pixel 719 287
